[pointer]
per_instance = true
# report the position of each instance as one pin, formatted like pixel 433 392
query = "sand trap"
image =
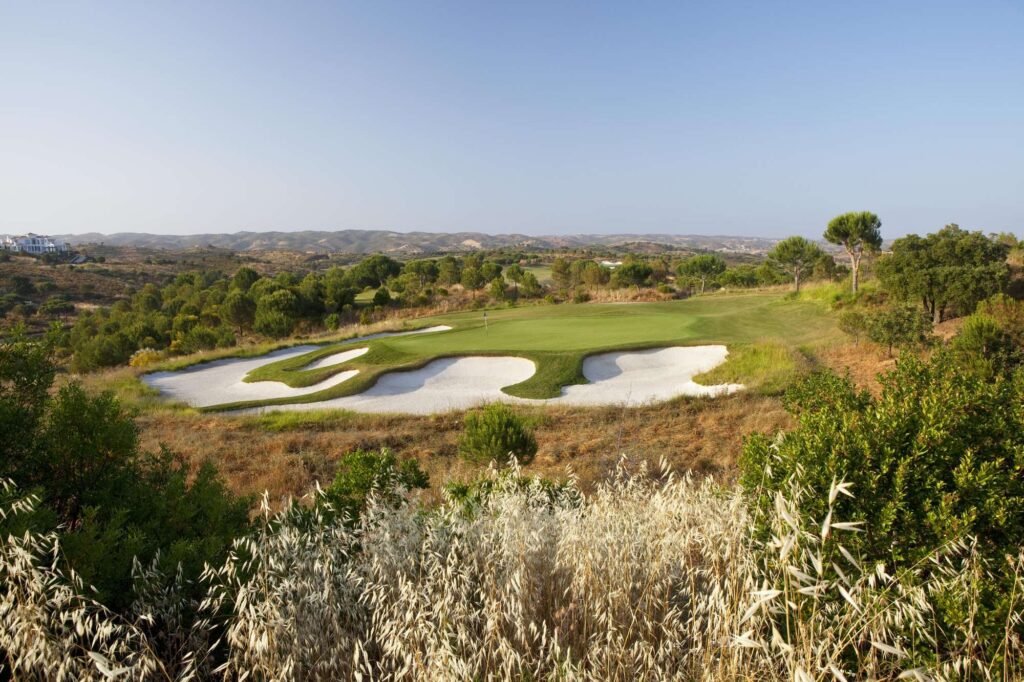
pixel 221 381
pixel 441 386
pixel 625 378
pixel 647 376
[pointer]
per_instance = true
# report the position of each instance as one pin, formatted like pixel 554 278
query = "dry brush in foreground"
pixel 649 577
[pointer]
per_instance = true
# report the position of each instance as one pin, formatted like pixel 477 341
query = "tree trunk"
pixel 796 281
pixel 854 271
pixel 702 285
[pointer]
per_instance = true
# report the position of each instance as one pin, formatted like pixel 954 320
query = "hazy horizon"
pixel 730 119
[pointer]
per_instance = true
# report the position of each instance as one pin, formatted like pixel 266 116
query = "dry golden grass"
pixel 863 361
pixel 650 577
pixel 260 453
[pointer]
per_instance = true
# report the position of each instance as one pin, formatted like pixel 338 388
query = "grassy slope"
pixel 764 332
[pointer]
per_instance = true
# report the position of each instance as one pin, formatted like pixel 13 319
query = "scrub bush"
pixel 495 434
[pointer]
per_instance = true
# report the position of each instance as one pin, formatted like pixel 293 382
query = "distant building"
pixel 34 244
pixel 611 263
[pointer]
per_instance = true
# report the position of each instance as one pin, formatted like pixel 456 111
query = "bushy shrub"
pixel 854 323
pixel 933 459
pixel 496 433
pixel 109 501
pixel 382 297
pixel 898 326
pixel 361 472
pixel 273 323
pixel 992 339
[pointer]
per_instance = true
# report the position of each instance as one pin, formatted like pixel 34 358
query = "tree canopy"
pixel 949 270
pixel 702 267
pixel 858 232
pixel 796 256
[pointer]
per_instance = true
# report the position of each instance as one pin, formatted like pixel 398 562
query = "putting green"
pixel 558 337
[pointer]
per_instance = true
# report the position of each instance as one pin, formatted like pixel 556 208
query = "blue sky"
pixel 745 118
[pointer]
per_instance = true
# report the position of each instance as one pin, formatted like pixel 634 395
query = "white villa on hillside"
pixel 33 243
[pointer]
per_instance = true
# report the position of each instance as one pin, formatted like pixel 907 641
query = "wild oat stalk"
pixel 49 628
pixel 651 577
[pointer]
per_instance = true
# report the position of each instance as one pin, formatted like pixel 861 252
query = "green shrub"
pixel 496 433
pixel 361 472
pixel 992 339
pixel 273 323
pixel 899 326
pixel 854 323
pixel 109 501
pixel 933 459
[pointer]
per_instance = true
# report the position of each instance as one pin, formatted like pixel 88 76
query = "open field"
pixel 558 340
pixel 541 272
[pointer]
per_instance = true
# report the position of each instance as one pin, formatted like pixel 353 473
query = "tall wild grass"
pixel 653 576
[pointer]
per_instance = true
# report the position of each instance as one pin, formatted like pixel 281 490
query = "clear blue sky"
pixel 747 118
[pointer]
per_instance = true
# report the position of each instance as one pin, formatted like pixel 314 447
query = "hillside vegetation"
pixel 899 560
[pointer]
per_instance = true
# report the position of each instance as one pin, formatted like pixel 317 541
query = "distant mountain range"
pixel 383 241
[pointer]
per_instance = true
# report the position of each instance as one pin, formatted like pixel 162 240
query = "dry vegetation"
pixel 643 579
pixel 863 362
pixel 287 453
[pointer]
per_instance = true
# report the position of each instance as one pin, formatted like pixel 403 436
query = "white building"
pixel 33 243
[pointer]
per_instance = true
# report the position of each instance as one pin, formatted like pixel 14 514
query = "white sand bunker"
pixel 647 376
pixel 221 381
pixel 441 386
pixel 626 378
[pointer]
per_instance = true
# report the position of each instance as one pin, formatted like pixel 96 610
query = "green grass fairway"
pixel 365 297
pixel 558 337
pixel 541 272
